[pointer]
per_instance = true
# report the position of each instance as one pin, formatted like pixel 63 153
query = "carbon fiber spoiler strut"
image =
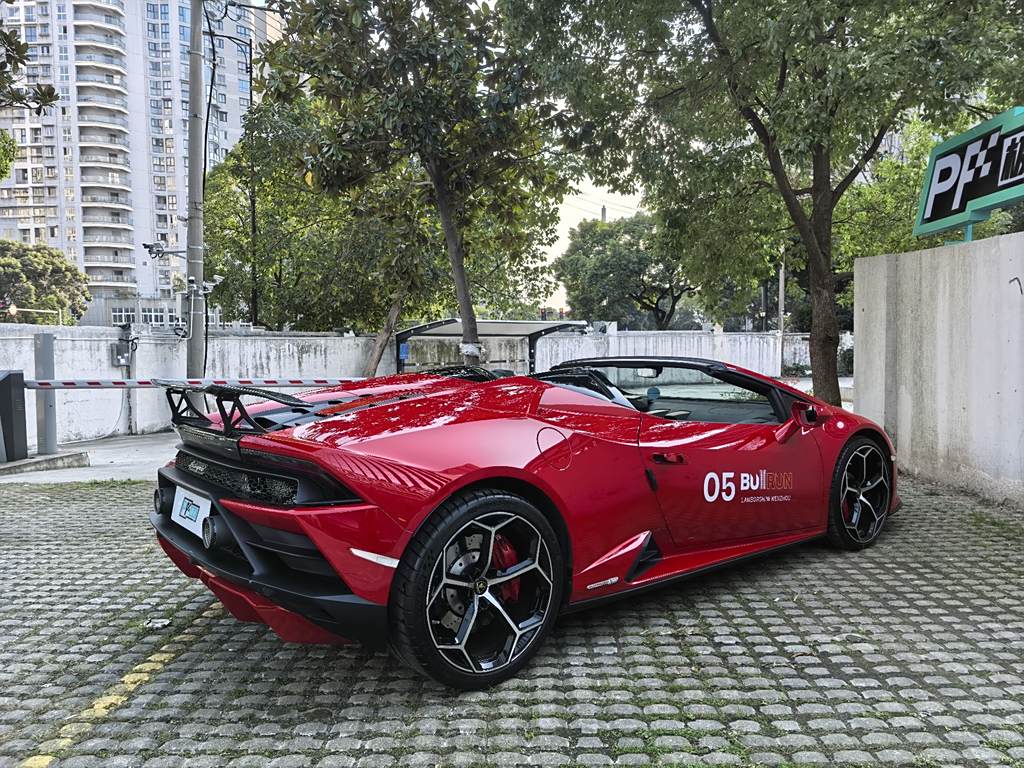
pixel 229 405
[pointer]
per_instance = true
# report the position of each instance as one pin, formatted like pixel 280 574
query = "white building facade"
pixel 105 170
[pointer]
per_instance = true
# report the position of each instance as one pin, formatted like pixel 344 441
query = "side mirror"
pixel 805 414
pixel 646 373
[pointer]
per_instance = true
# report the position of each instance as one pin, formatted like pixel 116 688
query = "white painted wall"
pixel 84 352
pixel 939 360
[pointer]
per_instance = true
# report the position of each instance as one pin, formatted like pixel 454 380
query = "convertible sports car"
pixel 453 515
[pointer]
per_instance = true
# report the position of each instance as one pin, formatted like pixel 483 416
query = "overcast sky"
pixel 586 204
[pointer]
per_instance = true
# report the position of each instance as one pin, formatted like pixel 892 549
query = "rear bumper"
pixel 299 606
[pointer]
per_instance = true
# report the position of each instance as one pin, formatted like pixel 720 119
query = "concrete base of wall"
pixel 62 460
pixel 940 361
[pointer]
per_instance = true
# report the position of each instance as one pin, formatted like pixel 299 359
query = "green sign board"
pixel 972 174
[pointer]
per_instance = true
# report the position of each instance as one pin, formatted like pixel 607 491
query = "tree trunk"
pixel 380 342
pixel 254 294
pixel 457 257
pixel 824 341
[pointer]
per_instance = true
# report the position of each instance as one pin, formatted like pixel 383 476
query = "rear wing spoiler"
pixel 235 419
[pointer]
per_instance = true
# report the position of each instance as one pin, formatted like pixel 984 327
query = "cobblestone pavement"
pixel 911 652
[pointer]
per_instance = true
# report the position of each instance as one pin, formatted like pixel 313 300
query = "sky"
pixel 586 204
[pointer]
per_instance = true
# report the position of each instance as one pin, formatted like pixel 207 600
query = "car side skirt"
pixel 679 576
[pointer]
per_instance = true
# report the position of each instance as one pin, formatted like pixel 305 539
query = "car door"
pixel 721 482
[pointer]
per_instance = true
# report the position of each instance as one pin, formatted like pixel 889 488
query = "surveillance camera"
pixel 191 280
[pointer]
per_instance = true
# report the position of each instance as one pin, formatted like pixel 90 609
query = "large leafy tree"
pixel 40 277
pixel 293 255
pixel 790 97
pixel 433 84
pixel 613 270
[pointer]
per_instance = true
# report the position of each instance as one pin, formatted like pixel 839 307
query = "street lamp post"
pixel 195 300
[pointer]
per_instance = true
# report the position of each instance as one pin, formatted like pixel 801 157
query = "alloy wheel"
pixel 490 591
pixel 864 493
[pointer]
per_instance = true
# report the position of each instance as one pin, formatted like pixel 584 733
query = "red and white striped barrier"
pixel 149 383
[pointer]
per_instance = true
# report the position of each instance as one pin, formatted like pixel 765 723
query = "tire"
pixel 860 495
pixel 477 590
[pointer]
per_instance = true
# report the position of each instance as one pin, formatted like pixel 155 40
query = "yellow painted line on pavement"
pixel 85 721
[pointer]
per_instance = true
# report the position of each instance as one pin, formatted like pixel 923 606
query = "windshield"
pixel 675 382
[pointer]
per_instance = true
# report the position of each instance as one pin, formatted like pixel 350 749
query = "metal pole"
pixel 46 402
pixel 195 300
pixel 782 316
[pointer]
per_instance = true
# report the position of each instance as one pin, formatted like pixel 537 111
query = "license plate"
pixel 190 509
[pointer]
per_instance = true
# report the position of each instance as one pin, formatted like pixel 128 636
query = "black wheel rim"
pixel 490 591
pixel 864 494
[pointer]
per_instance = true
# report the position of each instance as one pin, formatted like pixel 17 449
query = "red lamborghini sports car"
pixel 453 515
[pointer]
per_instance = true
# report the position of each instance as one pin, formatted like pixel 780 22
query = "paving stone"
pixel 908 652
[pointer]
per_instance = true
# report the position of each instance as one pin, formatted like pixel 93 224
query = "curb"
pixel 64 460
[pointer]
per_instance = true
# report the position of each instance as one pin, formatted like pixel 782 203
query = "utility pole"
pixel 195 297
pixel 782 316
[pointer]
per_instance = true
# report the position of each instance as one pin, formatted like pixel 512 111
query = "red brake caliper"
pixel 504 556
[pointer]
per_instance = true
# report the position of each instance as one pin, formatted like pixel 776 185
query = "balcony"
pixel 120 122
pixel 103 81
pixel 116 42
pixel 111 259
pixel 108 239
pixel 115 4
pixel 103 101
pixel 107 201
pixel 101 60
pixel 103 141
pixel 114 221
pixel 116 281
pixel 101 21
pixel 119 162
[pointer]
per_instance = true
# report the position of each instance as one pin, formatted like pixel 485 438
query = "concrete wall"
pixel 84 352
pixel 939 360
pixel 756 351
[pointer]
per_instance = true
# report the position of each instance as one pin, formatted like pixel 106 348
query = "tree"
pixel 434 84
pixel 792 97
pixel 13 58
pixel 40 277
pixel 611 270
pixel 359 259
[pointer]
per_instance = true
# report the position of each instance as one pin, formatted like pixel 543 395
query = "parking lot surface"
pixel 909 653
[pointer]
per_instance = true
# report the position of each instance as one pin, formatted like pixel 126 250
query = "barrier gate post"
pixel 46 401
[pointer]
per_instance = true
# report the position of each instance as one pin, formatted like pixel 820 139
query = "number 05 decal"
pixel 716 486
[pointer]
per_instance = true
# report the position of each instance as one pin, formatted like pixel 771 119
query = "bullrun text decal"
pixel 753 488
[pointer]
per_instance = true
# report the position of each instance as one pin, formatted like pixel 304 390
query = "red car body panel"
pixel 610 476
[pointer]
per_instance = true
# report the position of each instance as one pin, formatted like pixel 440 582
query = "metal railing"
pixel 110 22
pixel 127 279
pixel 122 162
pixel 117 101
pixel 107 239
pixel 106 120
pixel 115 80
pixel 89 259
pixel 100 58
pixel 107 200
pixel 114 41
pixel 103 140
pixel 94 219
pixel 112 3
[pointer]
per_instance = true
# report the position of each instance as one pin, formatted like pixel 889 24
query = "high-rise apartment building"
pixel 105 169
